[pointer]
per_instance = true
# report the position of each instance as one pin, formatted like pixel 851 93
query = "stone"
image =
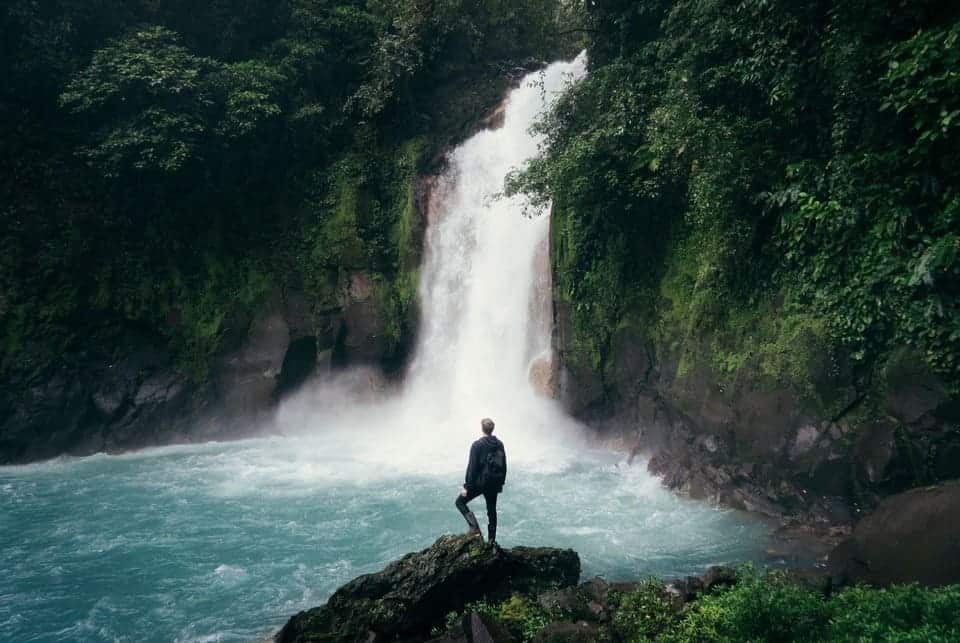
pixel 569 600
pixel 297 315
pixel 912 536
pixel 248 377
pixel 362 334
pixel 360 287
pixel 411 595
pixel 480 628
pixel 495 118
pixel 911 402
pixel 158 389
pixel 806 438
pixel 874 451
pixel 109 402
pixel 542 377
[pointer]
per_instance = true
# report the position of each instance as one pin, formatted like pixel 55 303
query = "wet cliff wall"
pixel 755 281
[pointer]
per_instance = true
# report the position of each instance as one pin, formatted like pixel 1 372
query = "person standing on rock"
pixel 486 473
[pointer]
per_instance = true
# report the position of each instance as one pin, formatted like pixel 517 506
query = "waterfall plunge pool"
pixel 225 541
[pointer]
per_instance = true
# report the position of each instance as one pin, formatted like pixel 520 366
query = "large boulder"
pixel 412 595
pixel 911 536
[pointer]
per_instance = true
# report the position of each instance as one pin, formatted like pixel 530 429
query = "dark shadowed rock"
pixel 911 536
pixel 480 628
pixel 413 594
pixel 691 587
pixel 248 376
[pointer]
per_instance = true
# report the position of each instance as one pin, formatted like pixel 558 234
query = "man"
pixel 486 473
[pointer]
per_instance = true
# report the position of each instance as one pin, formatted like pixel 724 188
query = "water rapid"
pixel 223 542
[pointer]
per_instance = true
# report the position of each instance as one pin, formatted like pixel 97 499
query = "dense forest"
pixel 165 163
pixel 768 190
pixel 764 186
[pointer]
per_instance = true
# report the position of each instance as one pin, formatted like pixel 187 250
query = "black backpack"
pixel 493 471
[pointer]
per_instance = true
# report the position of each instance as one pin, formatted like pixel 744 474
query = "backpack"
pixel 493 470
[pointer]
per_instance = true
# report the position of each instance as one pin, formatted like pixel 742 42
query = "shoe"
pixel 474 529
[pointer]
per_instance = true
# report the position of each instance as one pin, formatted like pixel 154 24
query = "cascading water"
pixel 223 542
pixel 482 289
pixel 485 300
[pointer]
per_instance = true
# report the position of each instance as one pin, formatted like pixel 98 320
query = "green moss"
pixel 407 232
pixel 202 312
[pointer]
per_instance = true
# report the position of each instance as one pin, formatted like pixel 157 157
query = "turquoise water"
pixel 223 542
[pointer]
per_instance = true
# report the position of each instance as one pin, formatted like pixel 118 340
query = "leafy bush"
pixel 760 607
pixel 644 612
pixel 523 616
pixel 757 608
pixel 774 608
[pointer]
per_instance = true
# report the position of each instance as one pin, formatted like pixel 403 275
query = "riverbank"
pixel 461 590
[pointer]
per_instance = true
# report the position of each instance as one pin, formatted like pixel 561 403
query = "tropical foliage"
pixel 165 163
pixel 733 170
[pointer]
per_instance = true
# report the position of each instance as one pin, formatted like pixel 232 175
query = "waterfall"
pixel 486 312
pixel 485 279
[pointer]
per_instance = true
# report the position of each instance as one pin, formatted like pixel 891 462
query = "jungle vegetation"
pixel 762 184
pixel 166 162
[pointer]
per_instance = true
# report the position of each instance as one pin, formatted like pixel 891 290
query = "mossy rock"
pixel 412 595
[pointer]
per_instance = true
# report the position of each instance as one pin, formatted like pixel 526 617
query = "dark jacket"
pixel 478 451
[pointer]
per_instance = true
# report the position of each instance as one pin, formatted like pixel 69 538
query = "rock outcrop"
pixel 758 445
pixel 414 594
pixel 911 537
pixel 137 395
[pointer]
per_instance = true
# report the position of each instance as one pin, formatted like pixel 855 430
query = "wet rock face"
pixel 248 377
pixel 141 398
pixel 911 536
pixel 361 327
pixel 756 445
pixel 102 405
pixel 412 595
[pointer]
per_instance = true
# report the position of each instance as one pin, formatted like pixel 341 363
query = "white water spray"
pixel 486 314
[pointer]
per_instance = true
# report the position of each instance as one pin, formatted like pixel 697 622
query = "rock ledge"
pixel 411 595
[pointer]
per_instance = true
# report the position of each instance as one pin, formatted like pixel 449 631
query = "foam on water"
pixel 223 542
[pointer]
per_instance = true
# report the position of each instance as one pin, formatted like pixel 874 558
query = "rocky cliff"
pixel 138 395
pixel 820 454
pixel 134 385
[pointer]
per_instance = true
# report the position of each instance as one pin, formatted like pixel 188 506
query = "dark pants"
pixel 491 498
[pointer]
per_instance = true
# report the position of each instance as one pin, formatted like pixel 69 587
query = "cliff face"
pixel 208 370
pixel 136 394
pixel 756 443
